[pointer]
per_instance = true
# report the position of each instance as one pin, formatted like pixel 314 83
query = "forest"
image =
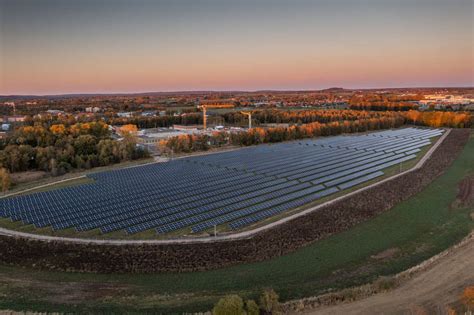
pixel 61 148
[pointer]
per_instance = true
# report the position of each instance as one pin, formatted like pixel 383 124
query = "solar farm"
pixel 233 189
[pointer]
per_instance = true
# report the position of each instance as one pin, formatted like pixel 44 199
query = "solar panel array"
pixel 235 188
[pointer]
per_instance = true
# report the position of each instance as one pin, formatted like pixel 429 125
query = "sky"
pixel 108 46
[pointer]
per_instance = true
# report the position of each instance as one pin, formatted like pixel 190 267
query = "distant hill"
pixel 4 98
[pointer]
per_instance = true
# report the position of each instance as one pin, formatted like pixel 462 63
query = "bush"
pixel 252 308
pixel 229 305
pixel 269 302
pixel 384 283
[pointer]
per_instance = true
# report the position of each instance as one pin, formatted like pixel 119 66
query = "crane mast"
pixel 204 108
pixel 249 115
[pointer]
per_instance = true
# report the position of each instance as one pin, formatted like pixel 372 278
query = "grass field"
pixel 417 228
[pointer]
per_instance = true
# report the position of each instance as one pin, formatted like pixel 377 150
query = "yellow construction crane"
pixel 249 115
pixel 204 108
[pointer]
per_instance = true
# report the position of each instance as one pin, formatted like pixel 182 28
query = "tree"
pixel 129 129
pixel 85 144
pixel 5 179
pixel 269 302
pixel 53 167
pixel 58 129
pixel 43 157
pixel 229 305
pixel 468 297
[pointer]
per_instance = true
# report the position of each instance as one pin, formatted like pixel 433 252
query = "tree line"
pixel 259 117
pixel 440 119
pixel 384 106
pixel 157 121
pixel 303 116
pixel 61 148
pixel 384 102
pixel 202 142
pixel 324 124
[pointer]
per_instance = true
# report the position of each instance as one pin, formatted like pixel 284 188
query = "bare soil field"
pixel 25 177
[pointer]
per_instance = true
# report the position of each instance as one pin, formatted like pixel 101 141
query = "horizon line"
pixel 227 91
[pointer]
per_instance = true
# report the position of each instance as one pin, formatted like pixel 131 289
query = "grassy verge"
pixel 418 228
pixel 58 185
pixel 50 179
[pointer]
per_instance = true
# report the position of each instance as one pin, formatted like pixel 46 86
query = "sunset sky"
pixel 105 46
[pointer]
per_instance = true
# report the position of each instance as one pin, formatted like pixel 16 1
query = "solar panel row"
pixel 236 188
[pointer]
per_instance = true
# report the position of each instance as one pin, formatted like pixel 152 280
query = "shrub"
pixel 383 284
pixel 252 308
pixel 229 305
pixel 269 302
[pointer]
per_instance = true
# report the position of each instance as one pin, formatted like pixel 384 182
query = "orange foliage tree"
pixel 467 297
pixel 129 129
pixel 58 129
pixel 439 119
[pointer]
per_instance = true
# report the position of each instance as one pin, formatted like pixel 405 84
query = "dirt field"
pixel 428 292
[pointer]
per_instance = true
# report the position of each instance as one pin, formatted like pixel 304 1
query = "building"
pixel 125 114
pixel 446 99
pixel 187 127
pixel 55 112
pixel 12 119
pixel 149 113
pixel 92 109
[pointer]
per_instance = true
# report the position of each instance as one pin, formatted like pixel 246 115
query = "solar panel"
pixel 237 187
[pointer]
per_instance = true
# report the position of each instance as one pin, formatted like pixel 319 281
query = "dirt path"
pixel 426 293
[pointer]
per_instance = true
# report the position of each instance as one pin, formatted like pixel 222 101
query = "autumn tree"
pixel 129 129
pixel 58 129
pixel 467 297
pixel 5 179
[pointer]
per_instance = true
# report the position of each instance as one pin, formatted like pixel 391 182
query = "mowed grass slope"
pixel 417 228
